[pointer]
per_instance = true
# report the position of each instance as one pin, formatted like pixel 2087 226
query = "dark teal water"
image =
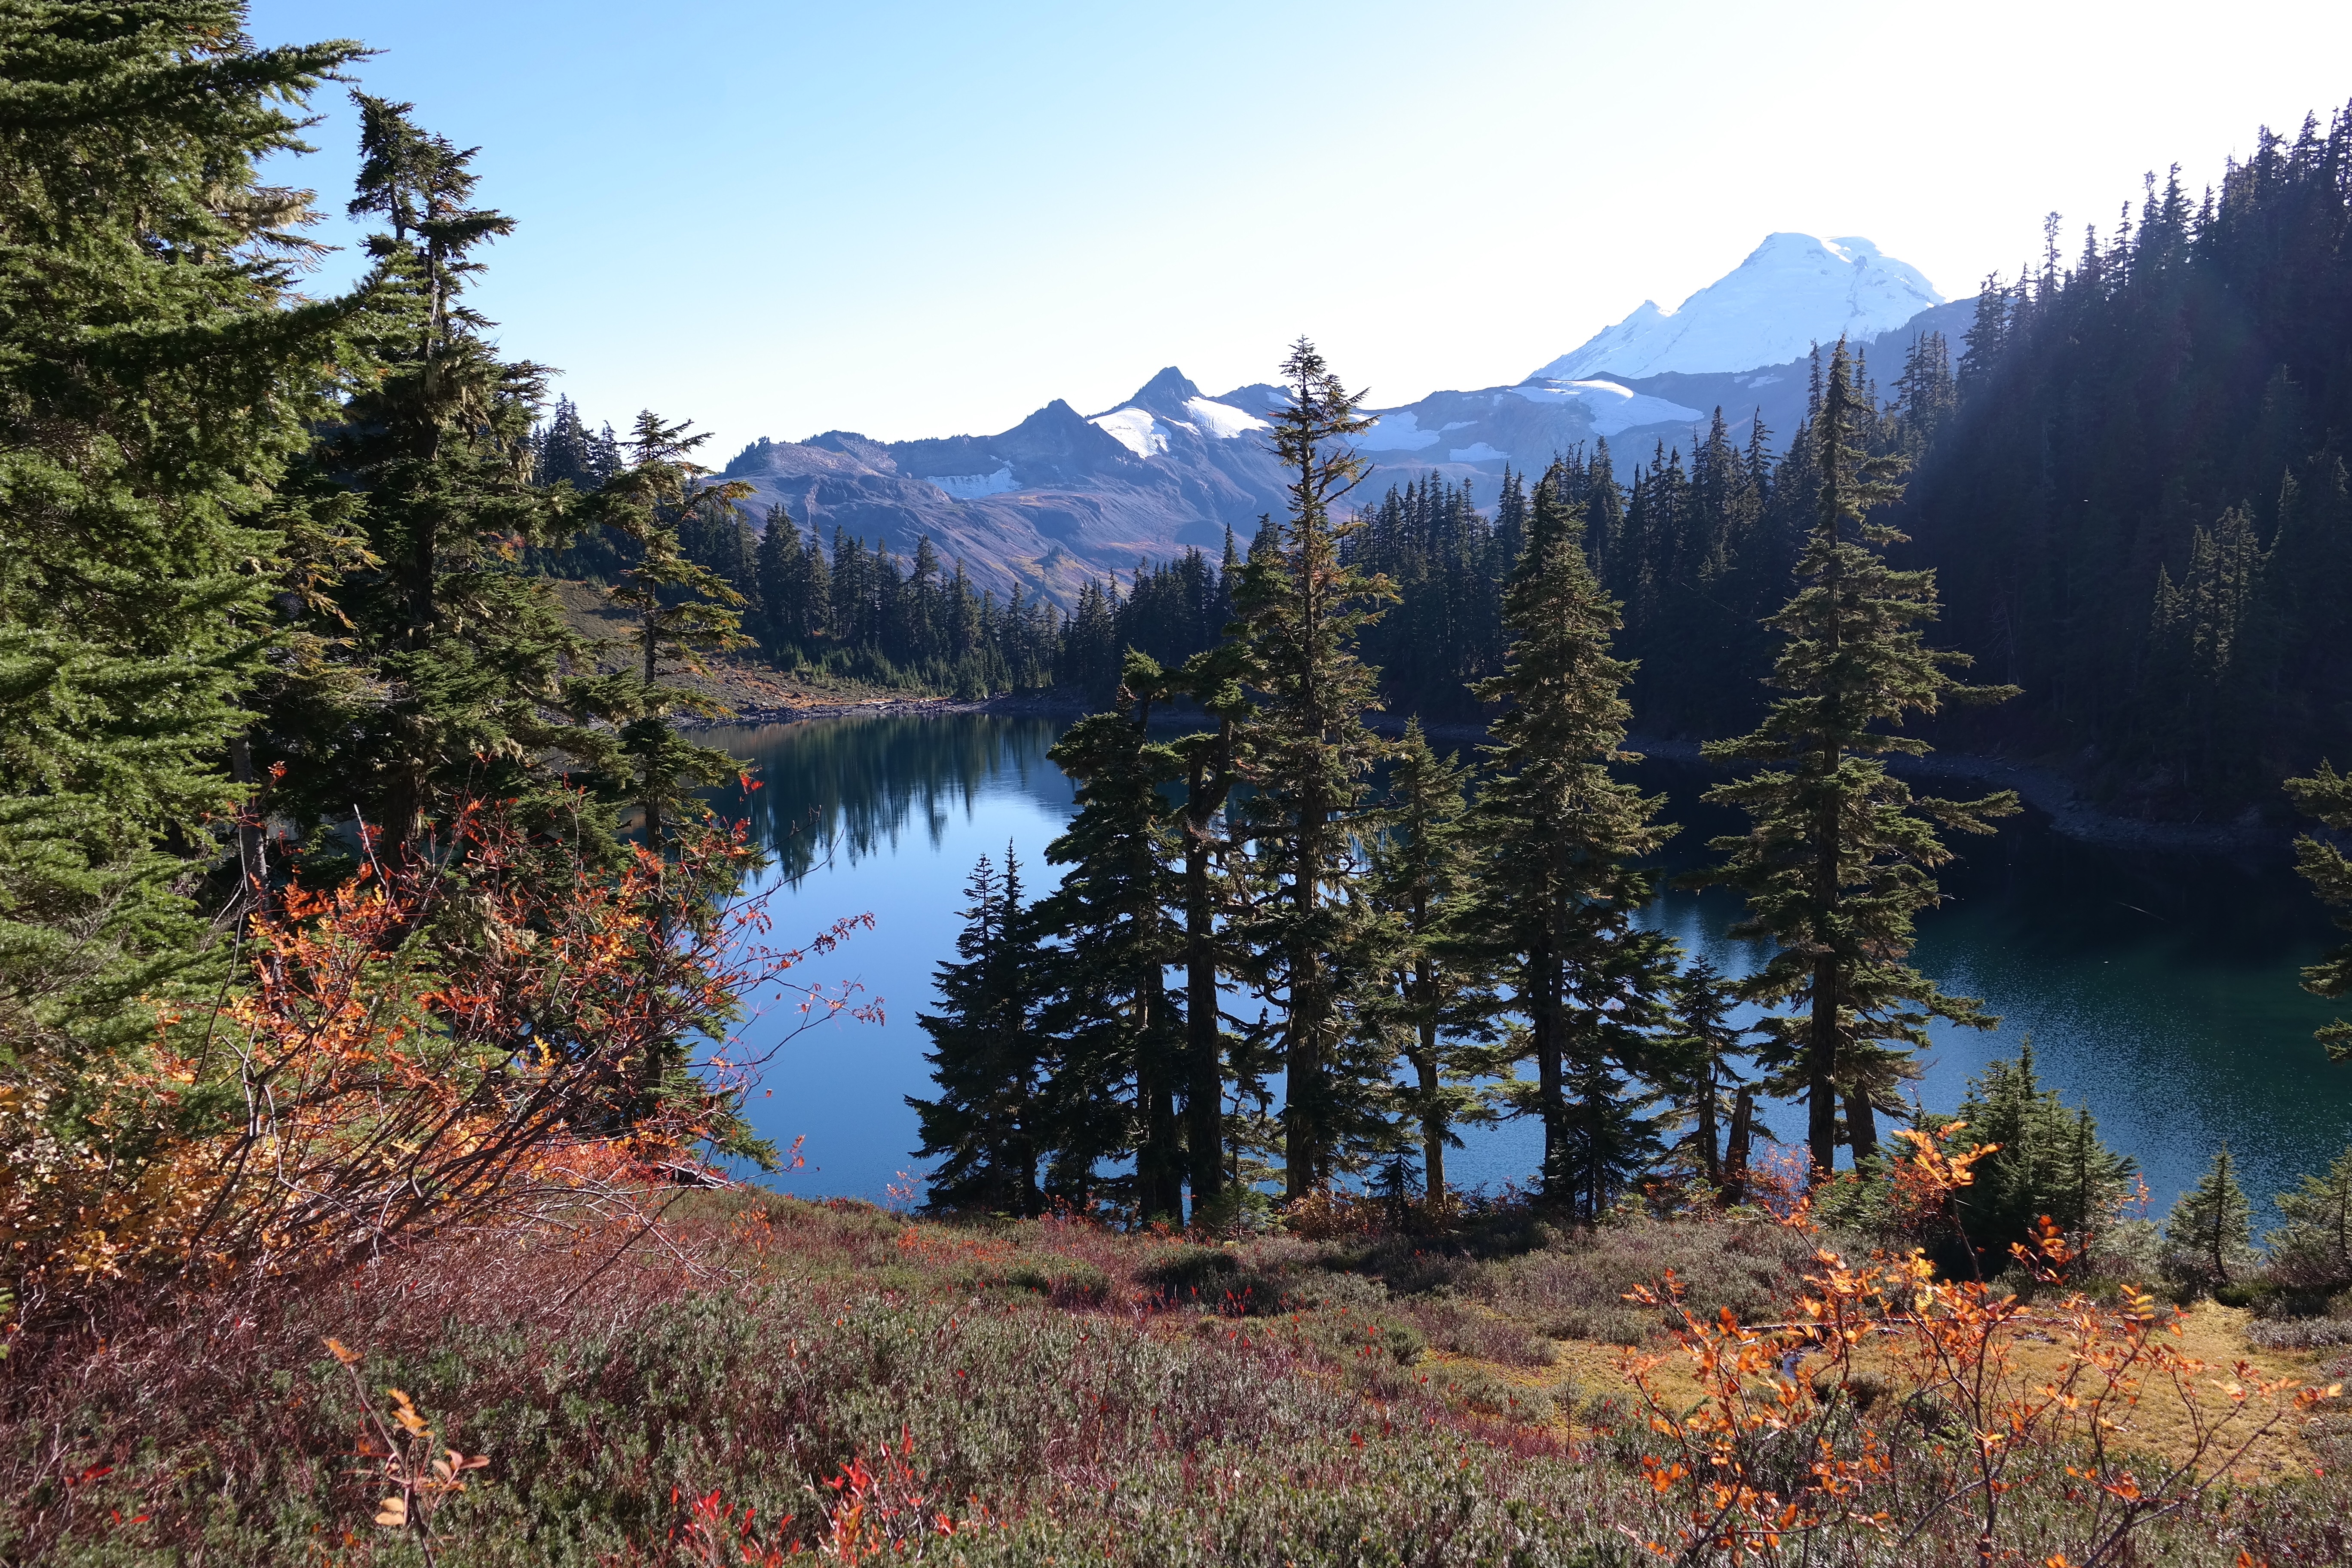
pixel 2158 988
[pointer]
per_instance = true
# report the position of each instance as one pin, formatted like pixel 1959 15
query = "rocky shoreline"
pixel 1023 705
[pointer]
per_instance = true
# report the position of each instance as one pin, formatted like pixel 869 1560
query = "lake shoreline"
pixel 2045 789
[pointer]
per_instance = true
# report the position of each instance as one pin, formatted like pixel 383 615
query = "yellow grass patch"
pixel 2161 1424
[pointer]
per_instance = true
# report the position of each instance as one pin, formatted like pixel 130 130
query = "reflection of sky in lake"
pixel 2158 988
pixel 882 817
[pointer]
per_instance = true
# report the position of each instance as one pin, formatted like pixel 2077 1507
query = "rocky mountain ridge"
pixel 1064 497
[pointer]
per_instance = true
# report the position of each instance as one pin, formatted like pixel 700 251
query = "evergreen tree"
pixel 2157 575
pixel 159 369
pixel 2206 667
pixel 1420 878
pixel 1557 890
pixel 1927 396
pixel 2312 1251
pixel 1308 757
pixel 449 674
pixel 1209 764
pixel 1835 865
pixel 1121 1032
pixel 2209 1236
pixel 567 457
pixel 682 609
pixel 564 453
pixel 1174 610
pixel 1090 648
pixel 782 574
pixel 1698 1056
pixel 2046 1163
pixel 989 1055
pixel 2328 795
pixel 1446 564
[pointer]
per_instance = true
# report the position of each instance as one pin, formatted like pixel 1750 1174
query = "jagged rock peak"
pixel 1165 393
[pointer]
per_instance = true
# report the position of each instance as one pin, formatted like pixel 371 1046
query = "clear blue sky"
pixel 926 219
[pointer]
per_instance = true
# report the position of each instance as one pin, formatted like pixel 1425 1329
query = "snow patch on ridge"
pixel 972 487
pixel 1134 429
pixel 1477 452
pixel 1612 406
pixel 1398 432
pixel 1222 420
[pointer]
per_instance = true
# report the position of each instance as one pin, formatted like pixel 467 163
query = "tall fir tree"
pixel 990 1055
pixel 1834 867
pixel 2044 1161
pixel 1558 886
pixel 683 609
pixel 1211 768
pixel 451 670
pixel 2328 795
pixel 160 368
pixel 1438 1000
pixel 1698 1057
pixel 2311 1251
pixel 1309 757
pixel 1121 1029
pixel 1090 648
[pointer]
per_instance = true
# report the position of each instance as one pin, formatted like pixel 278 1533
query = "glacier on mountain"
pixel 1793 291
pixel 1398 432
pixel 1133 428
pixel 1613 407
pixel 972 487
pixel 1222 420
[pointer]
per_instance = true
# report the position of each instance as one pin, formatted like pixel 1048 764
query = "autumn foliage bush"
pixel 1792 1437
pixel 484 1034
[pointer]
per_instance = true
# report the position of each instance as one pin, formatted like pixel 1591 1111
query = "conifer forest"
pixel 386 1011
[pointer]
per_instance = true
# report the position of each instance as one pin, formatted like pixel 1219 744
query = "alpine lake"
pixel 2157 988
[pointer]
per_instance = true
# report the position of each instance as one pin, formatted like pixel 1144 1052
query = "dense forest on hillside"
pixel 2139 509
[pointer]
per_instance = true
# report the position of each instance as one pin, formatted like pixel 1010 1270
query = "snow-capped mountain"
pixel 1063 497
pixel 1794 290
pixel 1167 408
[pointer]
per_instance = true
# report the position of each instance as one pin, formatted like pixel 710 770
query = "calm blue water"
pixel 2159 989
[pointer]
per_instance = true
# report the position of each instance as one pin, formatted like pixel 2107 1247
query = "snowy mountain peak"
pixel 1164 394
pixel 1166 405
pixel 1793 291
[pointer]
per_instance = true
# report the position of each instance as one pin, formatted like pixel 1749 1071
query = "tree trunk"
pixel 1821 1072
pixel 1432 1112
pixel 1205 1085
pixel 252 845
pixel 1545 1025
pixel 1305 1157
pixel 1302 1085
pixel 1861 1122
pixel 1735 1152
pixel 1159 1164
pixel 1710 1165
